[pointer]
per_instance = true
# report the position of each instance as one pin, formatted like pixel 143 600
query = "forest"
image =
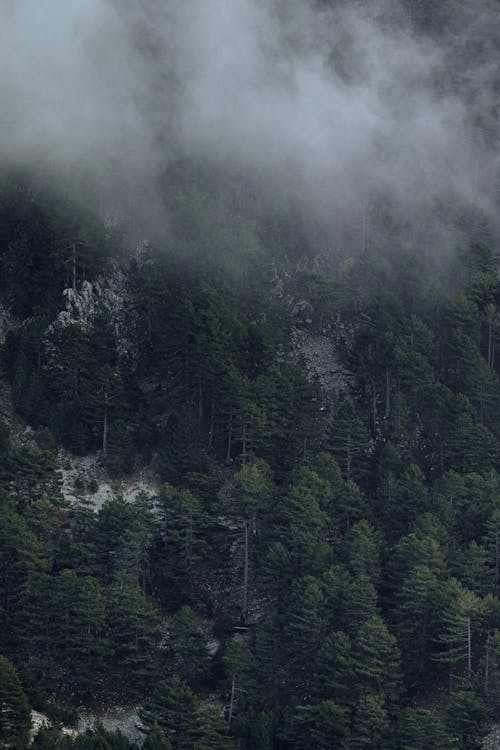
pixel 319 402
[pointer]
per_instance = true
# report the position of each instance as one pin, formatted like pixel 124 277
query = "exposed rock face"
pixel 320 353
pixel 40 721
pixel 82 305
pixel 124 718
pixel 85 481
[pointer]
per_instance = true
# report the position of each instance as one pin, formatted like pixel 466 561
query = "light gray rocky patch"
pixel 123 718
pixel 85 481
pixel 82 305
pixel 492 740
pixel 320 355
pixel 41 721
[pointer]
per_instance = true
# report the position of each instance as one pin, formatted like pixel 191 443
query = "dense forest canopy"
pixel 251 248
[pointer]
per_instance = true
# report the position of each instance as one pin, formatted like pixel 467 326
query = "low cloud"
pixel 341 106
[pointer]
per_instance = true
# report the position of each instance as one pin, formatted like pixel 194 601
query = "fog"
pixel 342 106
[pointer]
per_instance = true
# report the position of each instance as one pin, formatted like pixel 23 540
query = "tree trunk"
pixel 374 406
pixel 469 649
pixel 105 425
pixel 497 562
pixel 489 343
pixel 387 394
pixel 200 406
pixel 487 665
pixel 229 436
pixel 245 572
pixel 244 447
pixel 231 701
pixel 349 456
pixel 211 427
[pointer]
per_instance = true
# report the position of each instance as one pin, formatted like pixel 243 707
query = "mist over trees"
pixel 252 247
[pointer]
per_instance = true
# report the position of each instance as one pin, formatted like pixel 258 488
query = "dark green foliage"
pixel 317 559
pixel 418 729
pixel 185 652
pixel 134 626
pixel 376 661
pixel 322 726
pixel 371 724
pixel 334 669
pixel 348 441
pixel 465 718
pixel 21 558
pixel 157 740
pixel 15 714
pixel 178 544
pixel 172 707
pixel 64 631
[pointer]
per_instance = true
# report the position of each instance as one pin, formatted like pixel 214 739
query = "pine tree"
pixel 173 708
pixel 246 497
pixel 15 714
pixel 77 629
pixel 185 652
pixel 377 661
pixel 210 732
pixel 334 676
pixel 416 620
pixel 305 526
pixel 371 724
pixel 134 629
pixel 466 720
pixel 156 740
pixel 419 729
pixel 240 669
pixel 361 548
pixel 21 556
pixel 179 544
pixel 305 629
pixel 323 726
pixel 460 621
pixel 348 442
pixel 360 603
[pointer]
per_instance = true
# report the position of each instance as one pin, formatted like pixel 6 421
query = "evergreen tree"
pixel 465 719
pixel 334 676
pixel 360 603
pixel 134 628
pixel 371 724
pixel 377 661
pixel 305 629
pixel 156 740
pixel 362 551
pixel 419 729
pixel 322 726
pixel 210 731
pixel 461 615
pixel 240 668
pixel 173 708
pixel 246 497
pixel 348 442
pixel 179 544
pixel 416 621
pixel 185 651
pixel 15 714
pixel 21 556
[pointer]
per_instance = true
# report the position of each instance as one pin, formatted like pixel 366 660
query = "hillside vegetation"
pixel 315 387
